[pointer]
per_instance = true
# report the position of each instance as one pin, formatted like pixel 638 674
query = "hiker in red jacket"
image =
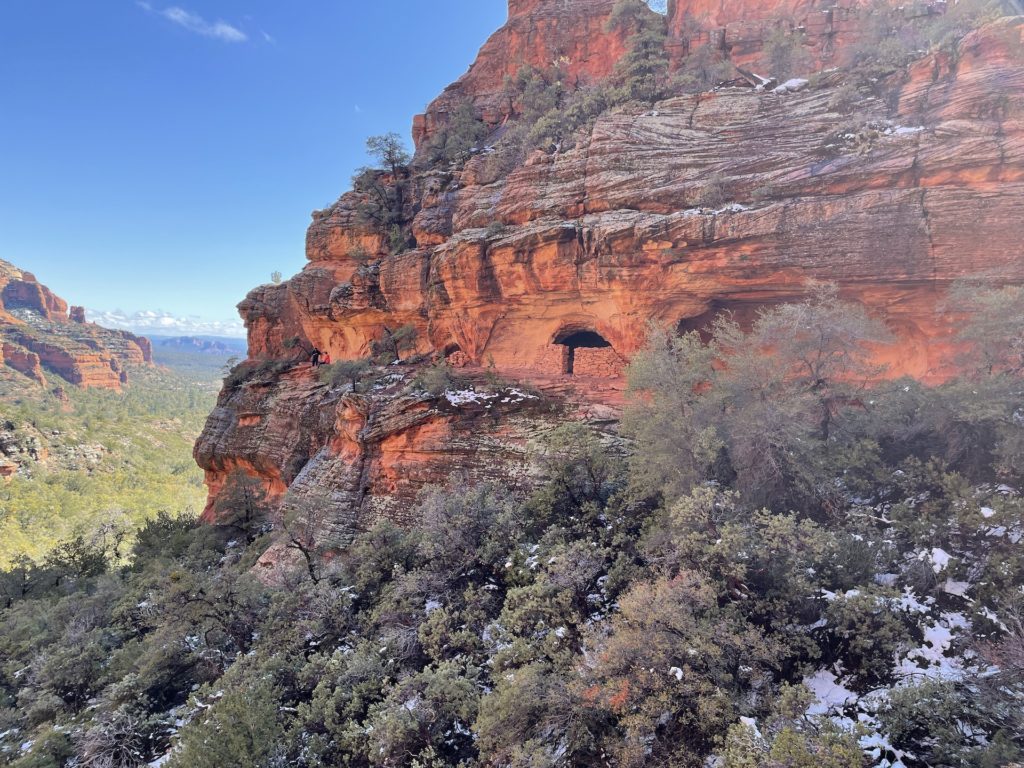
pixel 325 358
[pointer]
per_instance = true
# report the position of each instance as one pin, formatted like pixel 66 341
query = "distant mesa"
pixel 41 336
pixel 210 345
pixel 156 324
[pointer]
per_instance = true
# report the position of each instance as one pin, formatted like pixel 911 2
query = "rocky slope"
pixel 552 274
pixel 40 335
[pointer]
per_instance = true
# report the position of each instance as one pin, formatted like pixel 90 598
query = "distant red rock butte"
pixel 39 335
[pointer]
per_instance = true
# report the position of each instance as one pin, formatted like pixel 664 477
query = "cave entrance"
pixel 744 311
pixel 455 357
pixel 573 340
pixel 701 323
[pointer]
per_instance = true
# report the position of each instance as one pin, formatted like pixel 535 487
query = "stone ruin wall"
pixel 601 362
pixel 552 360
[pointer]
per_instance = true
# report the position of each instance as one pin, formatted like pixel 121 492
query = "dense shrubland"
pixel 891 41
pixel 115 459
pixel 790 562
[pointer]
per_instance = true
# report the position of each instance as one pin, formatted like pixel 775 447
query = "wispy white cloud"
pixel 157 323
pixel 193 22
pixel 357 108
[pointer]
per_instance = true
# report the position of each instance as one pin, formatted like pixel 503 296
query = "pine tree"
pixel 642 72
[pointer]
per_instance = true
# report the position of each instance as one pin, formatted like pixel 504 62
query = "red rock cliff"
pixel 552 274
pixel 37 333
pixel 538 34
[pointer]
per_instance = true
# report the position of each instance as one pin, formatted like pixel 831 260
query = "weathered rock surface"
pixel 25 449
pixel 829 32
pixel 21 290
pixel 23 361
pixel 574 35
pixel 366 455
pixel 37 333
pixel 706 201
pixel 21 447
pixel 538 34
pixel 731 199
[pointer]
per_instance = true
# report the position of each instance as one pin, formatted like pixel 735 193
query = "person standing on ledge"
pixel 314 358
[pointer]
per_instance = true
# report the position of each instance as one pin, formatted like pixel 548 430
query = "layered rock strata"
pixel 366 455
pixel 553 273
pixel 37 335
pixel 574 36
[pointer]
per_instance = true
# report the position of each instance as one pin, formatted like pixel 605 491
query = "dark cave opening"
pixel 573 340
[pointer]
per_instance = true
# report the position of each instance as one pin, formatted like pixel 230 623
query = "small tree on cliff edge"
pixel 345 372
pixel 384 198
pixel 389 151
pixel 461 134
pixel 242 504
pixel 784 54
pixel 390 347
pixel 642 72
pixel 306 522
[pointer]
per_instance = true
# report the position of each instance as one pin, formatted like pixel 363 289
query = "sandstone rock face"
pixel 892 202
pixel 539 34
pixel 366 455
pixel 828 32
pixel 552 275
pixel 21 290
pixel 37 333
pixel 23 361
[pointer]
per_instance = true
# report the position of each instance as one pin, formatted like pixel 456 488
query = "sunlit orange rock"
pixel 23 361
pixel 540 34
pixel 553 274
pixel 37 333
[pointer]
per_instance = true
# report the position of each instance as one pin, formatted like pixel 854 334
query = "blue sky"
pixel 166 155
